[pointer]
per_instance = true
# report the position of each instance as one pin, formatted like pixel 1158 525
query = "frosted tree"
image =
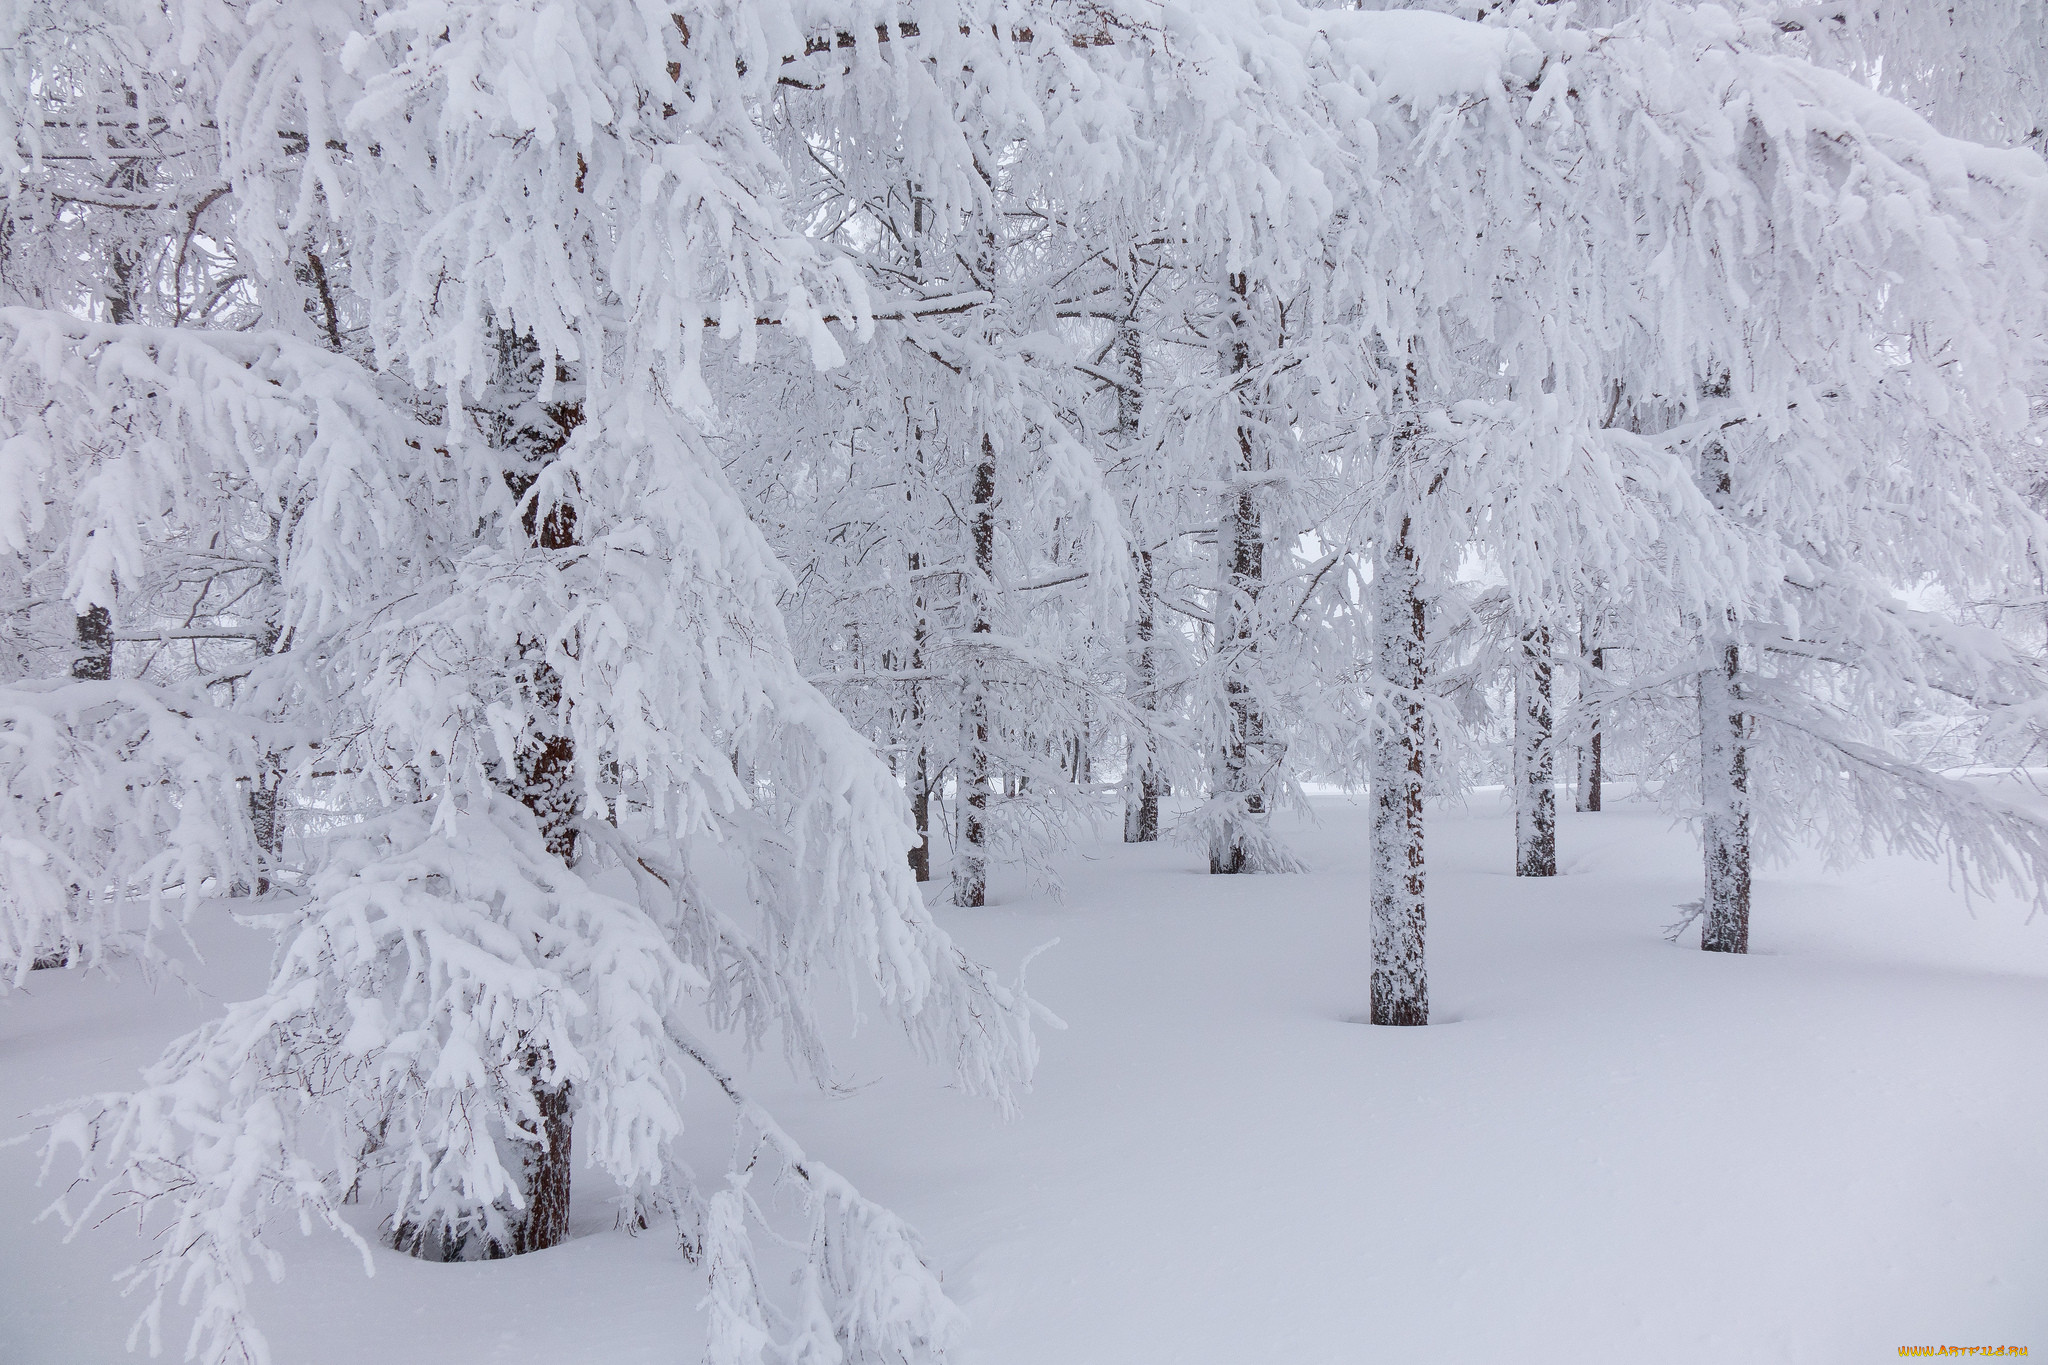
pixel 1977 71
pixel 960 555
pixel 535 660
pixel 1501 361
pixel 1824 380
pixel 125 785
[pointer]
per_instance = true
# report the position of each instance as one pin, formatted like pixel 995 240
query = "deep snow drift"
pixel 1607 1148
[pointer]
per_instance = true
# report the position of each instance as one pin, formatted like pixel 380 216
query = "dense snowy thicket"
pixel 574 509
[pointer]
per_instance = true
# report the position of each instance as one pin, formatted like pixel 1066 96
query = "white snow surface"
pixel 1605 1148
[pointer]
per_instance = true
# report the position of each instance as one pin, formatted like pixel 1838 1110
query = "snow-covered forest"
pixel 594 580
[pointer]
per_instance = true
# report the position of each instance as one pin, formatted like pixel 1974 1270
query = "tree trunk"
pixel 1724 756
pixel 1400 978
pixel 1724 796
pixel 265 828
pixel 1240 789
pixel 970 866
pixel 544 1171
pixel 921 775
pixel 95 659
pixel 921 813
pixel 1535 794
pixel 1141 778
pixel 1591 777
pixel 1141 808
pixel 543 776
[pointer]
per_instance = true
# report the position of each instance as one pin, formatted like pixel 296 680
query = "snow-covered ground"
pixel 1606 1148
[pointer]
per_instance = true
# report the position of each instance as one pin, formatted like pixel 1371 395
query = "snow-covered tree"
pixel 528 654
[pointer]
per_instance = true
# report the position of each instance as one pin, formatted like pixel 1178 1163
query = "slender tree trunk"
pixel 1141 778
pixel 1724 792
pixel 542 776
pixel 1535 793
pixel 1724 762
pixel 921 813
pixel 547 786
pixel 94 661
pixel 1400 977
pixel 920 775
pixel 1241 789
pixel 266 829
pixel 970 866
pixel 544 1169
pixel 1141 809
pixel 1596 764
pixel 1591 777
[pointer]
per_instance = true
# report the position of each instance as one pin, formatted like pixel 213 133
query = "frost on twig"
pixel 1689 915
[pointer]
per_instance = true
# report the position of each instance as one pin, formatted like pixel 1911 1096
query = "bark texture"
pixel 544 1171
pixel 920 777
pixel 1400 978
pixel 1724 755
pixel 542 775
pixel 1141 802
pixel 94 661
pixel 1535 792
pixel 1141 776
pixel 970 866
pixel 1240 765
pixel 1724 792
pixel 1592 775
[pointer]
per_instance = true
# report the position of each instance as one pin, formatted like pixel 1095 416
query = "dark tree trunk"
pixel 95 659
pixel 543 776
pixel 266 827
pixel 1237 627
pixel 1141 809
pixel 544 1170
pixel 921 813
pixel 1724 783
pixel 970 867
pixel 1591 775
pixel 1724 759
pixel 1141 778
pixel 1400 977
pixel 920 632
pixel 1535 794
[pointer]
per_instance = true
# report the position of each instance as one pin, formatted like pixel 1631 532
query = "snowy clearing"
pixel 1604 1147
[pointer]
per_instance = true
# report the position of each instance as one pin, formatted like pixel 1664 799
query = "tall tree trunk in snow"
pixel 544 1169
pixel 1141 777
pixel 1724 764
pixel 1535 794
pixel 1400 978
pixel 1239 779
pixel 970 866
pixel 542 775
pixel 1724 793
pixel 266 792
pixel 1591 775
pixel 920 783
pixel 1400 971
pixel 1141 808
